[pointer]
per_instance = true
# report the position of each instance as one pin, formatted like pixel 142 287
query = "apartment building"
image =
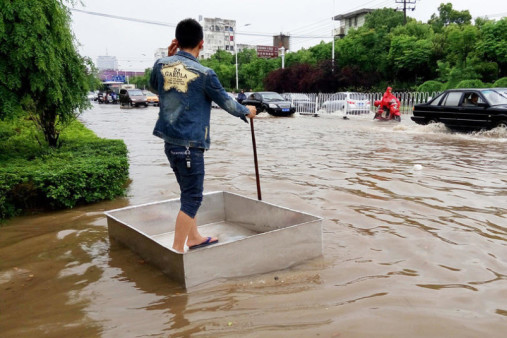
pixel 218 34
pixel 350 20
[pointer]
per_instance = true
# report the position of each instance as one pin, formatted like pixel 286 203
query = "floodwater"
pixel 414 230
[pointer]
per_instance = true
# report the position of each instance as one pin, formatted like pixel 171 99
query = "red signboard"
pixel 267 51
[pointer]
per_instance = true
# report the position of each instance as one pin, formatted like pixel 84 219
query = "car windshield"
pixel 357 96
pixel 148 93
pixel 300 97
pixel 272 97
pixel 135 92
pixel 495 97
pixel 338 96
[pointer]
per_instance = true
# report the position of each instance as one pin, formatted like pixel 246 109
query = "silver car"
pixel 304 104
pixel 347 102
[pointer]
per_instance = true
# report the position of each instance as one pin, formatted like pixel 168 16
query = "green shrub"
pixel 84 169
pixel 470 84
pixel 500 83
pixel 430 87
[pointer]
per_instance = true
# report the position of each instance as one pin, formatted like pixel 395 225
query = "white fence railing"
pixel 313 103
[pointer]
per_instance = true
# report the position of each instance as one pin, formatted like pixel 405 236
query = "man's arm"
pixel 218 94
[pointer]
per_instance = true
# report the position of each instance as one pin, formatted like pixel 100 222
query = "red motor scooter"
pixel 390 108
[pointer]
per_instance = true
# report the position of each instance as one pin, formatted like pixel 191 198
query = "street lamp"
pixel 236 52
pixel 283 56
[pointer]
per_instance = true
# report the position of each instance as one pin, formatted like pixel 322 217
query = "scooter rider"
pixel 387 100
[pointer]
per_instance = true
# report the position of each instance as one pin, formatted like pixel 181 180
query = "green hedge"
pixel 471 84
pixel 84 169
pixel 501 82
pixel 430 86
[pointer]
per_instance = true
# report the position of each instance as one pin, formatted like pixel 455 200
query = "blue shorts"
pixel 191 180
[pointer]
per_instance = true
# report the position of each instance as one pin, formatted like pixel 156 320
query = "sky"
pixel 307 22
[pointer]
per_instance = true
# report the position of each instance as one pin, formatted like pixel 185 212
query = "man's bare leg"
pixel 186 227
pixel 184 224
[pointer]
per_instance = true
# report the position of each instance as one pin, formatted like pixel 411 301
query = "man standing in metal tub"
pixel 186 89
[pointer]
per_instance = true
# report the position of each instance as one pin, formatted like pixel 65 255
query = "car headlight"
pixel 272 105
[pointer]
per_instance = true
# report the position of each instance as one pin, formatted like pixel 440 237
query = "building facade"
pixel 350 20
pixel 219 34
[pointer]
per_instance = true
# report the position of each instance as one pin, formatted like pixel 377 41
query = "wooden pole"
pixel 255 161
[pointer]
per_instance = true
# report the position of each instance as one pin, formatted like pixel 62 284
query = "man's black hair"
pixel 189 33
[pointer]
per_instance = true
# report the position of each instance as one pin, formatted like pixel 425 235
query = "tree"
pixel 494 43
pixel 322 51
pixel 223 63
pixel 410 57
pixel 385 19
pixel 447 15
pixel 40 69
pixel 460 42
pixel 92 74
pixel 364 48
pixel 411 53
pixel 299 78
pixel 142 81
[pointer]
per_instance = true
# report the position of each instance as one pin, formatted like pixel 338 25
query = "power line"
pixel 124 18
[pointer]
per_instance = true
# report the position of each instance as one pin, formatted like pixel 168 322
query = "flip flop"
pixel 207 242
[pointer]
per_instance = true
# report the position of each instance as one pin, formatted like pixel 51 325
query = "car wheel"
pixel 502 124
pixel 433 121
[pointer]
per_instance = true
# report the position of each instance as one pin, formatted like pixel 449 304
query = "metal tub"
pixel 254 237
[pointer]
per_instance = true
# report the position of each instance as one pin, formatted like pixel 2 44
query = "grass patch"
pixel 33 176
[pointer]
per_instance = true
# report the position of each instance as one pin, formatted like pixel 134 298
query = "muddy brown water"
pixel 414 230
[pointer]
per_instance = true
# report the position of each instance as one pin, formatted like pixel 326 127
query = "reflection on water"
pixel 415 237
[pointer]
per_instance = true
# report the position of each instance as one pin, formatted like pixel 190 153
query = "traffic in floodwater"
pixel 414 236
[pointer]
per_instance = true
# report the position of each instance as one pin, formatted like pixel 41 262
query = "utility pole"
pixel 405 8
pixel 332 35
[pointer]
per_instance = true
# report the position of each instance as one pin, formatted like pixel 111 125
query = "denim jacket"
pixel 186 89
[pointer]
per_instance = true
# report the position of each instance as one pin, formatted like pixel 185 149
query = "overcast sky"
pixel 307 22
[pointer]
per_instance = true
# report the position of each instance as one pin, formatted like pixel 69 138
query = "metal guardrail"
pixel 311 103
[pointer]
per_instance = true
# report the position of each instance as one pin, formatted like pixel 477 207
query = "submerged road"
pixel 415 237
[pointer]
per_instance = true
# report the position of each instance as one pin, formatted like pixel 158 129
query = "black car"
pixel 270 102
pixel 133 98
pixel 468 109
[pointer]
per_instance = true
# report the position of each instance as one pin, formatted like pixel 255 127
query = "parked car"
pixel 93 96
pixel 348 102
pixel 301 102
pixel 132 98
pixel 270 102
pixel 457 110
pixel 151 98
